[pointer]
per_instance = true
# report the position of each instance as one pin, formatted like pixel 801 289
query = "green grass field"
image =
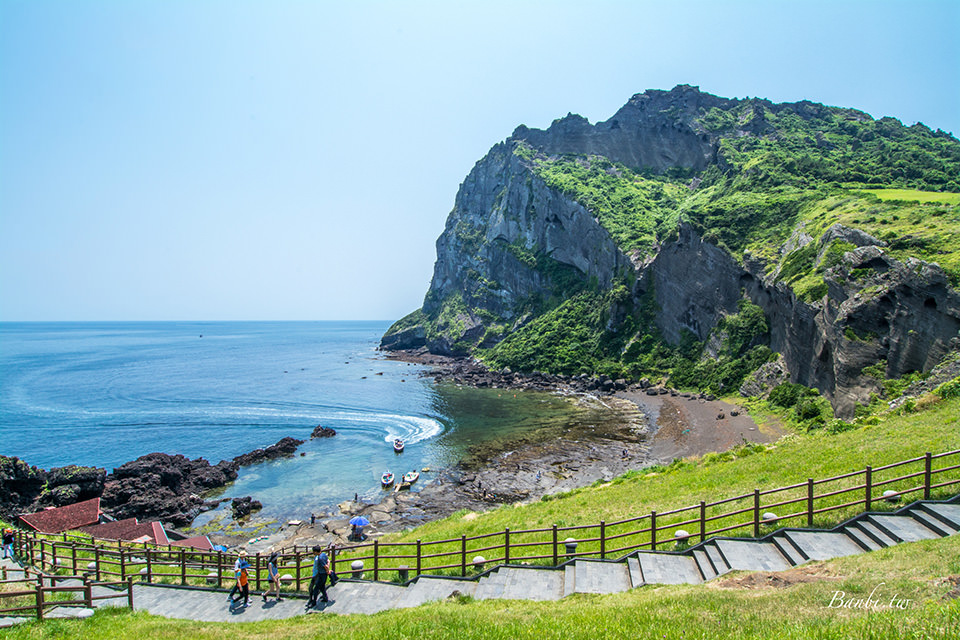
pixel 914 195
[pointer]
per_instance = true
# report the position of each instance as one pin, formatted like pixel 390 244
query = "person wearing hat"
pixel 8 543
pixel 273 574
pixel 318 583
pixel 243 583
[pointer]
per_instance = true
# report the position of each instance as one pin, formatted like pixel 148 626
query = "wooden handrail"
pixel 166 561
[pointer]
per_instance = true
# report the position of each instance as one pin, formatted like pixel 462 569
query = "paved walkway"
pixel 780 550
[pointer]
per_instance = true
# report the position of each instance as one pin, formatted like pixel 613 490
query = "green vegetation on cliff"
pixel 636 210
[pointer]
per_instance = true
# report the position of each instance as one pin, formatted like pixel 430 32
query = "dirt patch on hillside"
pixel 776 579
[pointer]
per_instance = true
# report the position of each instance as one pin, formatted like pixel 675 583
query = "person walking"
pixel 8 538
pixel 273 575
pixel 242 584
pixel 318 583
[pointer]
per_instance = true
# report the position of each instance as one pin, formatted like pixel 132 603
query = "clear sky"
pixel 239 160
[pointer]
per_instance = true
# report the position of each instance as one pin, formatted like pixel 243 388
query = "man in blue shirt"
pixel 318 583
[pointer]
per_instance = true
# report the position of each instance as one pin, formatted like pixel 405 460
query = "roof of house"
pixel 201 543
pixel 72 516
pixel 129 529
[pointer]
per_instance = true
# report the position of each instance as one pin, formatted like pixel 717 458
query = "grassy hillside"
pixel 878 441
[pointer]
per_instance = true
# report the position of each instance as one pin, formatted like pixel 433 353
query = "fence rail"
pixel 749 514
pixel 42 592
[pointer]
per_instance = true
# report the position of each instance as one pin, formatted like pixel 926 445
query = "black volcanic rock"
pixel 284 448
pixel 322 432
pixel 242 507
pixel 163 487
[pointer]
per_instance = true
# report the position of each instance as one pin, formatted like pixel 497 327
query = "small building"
pixel 199 543
pixel 130 529
pixel 60 519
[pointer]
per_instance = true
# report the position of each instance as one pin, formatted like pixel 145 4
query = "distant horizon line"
pixel 176 321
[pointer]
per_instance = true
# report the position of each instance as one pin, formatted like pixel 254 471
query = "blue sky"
pixel 236 160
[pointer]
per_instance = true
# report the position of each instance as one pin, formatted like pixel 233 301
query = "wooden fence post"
pixel 653 530
pixel 376 560
pixel 418 556
pixel 130 592
pixel 183 568
pixel 96 560
pixel 703 521
pixel 603 539
pixel 297 560
pixel 868 488
pixel 73 554
pixel 220 570
pixel 463 555
pixel 927 475
pixel 556 559
pixel 756 513
pixel 87 592
pixel 149 567
pixel 506 545
pixel 809 502
pixel 123 563
pixel 40 597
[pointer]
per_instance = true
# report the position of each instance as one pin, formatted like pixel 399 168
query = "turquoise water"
pixel 105 393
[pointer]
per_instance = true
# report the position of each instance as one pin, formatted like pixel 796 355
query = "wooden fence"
pixel 35 594
pixel 804 504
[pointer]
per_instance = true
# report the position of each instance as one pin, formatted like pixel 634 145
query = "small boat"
pixel 398 445
pixel 386 479
pixel 411 477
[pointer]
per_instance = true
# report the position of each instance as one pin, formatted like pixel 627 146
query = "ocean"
pixel 103 394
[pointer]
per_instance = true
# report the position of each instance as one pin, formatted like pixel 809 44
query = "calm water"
pixel 105 393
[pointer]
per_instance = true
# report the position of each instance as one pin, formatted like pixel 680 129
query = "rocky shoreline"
pixel 156 486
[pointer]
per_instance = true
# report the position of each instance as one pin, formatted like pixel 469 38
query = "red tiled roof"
pixel 72 516
pixel 129 529
pixel 201 543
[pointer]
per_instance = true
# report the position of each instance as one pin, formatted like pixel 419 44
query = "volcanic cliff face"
pixel 515 246
pixel 654 129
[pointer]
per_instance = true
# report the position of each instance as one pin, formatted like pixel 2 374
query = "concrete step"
pixel 789 550
pixel 716 557
pixel 903 528
pixel 861 538
pixel 753 555
pixel 875 533
pixel 602 577
pixel 531 584
pixel 666 568
pixel 933 523
pixel 569 579
pixel 949 513
pixel 707 570
pixel 823 545
pixel 430 589
pixel 636 573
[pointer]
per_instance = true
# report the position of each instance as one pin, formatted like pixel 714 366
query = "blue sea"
pixel 106 393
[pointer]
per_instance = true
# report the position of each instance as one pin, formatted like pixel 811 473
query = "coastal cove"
pixel 103 394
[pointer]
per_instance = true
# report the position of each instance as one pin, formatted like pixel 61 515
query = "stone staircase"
pixel 778 551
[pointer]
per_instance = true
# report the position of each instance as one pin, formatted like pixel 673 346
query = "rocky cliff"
pixel 669 215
